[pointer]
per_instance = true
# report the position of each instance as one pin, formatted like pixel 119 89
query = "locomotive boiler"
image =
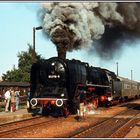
pixel 60 85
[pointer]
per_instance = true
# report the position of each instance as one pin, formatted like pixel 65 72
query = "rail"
pixel 92 131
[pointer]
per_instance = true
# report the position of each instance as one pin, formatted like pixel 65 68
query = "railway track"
pixel 15 128
pixel 116 126
pixel 121 132
pixel 104 126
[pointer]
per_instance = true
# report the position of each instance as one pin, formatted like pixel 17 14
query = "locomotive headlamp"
pixel 53 64
pixel 59 102
pixel 110 98
pixel 33 102
pixel 62 95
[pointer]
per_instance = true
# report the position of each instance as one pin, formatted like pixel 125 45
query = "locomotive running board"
pixel 49 98
pixel 94 85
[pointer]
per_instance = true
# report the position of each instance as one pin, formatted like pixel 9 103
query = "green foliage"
pixel 22 73
pixel 1 108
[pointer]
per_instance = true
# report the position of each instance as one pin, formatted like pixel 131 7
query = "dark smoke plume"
pixel 101 25
pixel 112 41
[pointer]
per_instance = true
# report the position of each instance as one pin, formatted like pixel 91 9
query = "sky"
pixel 16 24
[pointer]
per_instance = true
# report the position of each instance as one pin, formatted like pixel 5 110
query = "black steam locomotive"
pixel 60 85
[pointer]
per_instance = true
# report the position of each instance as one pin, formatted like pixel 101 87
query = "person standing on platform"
pixel 12 109
pixel 17 93
pixel 28 99
pixel 7 96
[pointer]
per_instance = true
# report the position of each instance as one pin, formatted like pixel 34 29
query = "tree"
pixel 22 73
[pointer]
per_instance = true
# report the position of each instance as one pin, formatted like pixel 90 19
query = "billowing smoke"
pixel 101 25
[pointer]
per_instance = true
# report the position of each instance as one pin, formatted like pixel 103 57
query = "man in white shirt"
pixel 7 96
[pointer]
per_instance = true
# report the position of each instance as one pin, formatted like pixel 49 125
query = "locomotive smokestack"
pixel 61 51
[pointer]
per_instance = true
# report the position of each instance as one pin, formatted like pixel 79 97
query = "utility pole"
pixel 131 75
pixel 131 81
pixel 117 68
pixel 34 53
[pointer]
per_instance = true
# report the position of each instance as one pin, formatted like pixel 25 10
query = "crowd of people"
pixel 12 99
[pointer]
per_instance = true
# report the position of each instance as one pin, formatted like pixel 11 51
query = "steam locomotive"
pixel 60 85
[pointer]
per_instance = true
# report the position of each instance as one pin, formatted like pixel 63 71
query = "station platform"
pixel 8 117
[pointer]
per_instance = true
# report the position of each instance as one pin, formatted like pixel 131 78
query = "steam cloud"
pixel 75 25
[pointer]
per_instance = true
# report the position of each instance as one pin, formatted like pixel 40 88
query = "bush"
pixel 2 108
